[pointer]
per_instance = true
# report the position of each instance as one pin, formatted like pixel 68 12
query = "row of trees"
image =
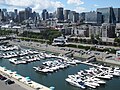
pixel 6 32
pixel 95 40
pixel 110 50
pixel 46 34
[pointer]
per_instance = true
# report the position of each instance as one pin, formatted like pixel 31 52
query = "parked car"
pixel 9 81
pixel 3 78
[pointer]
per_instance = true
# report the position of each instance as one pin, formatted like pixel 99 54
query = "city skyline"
pixel 51 5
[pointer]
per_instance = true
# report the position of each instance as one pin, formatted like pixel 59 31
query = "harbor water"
pixel 56 79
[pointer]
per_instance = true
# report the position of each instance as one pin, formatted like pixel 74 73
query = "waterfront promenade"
pixel 15 86
pixel 49 48
pixel 20 82
pixel 59 50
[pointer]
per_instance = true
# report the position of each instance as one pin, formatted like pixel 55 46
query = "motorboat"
pixel 77 84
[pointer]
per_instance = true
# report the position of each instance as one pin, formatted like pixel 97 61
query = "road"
pixel 98 46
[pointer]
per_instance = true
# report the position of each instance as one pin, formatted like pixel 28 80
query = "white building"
pixel 118 55
pixel 59 41
pixel 117 29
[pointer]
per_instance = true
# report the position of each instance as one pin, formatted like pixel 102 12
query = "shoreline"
pixel 22 82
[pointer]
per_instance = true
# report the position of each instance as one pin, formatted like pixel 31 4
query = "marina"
pixel 55 67
pixel 59 45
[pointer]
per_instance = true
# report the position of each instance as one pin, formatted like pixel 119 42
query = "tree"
pixel 98 39
pixel 92 38
pixel 117 41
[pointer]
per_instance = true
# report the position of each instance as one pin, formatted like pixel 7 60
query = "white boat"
pixel 77 61
pixel 43 70
pixel 74 83
pixel 62 66
pixel 15 61
pixel 54 68
pixel 114 73
pixel 71 62
pixel 97 80
pixel 90 85
pixel 103 76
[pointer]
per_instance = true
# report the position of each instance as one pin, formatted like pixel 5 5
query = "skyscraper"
pixel 117 14
pixel 21 16
pixel 15 15
pixel 82 17
pixel 15 11
pixel 28 13
pixel 72 16
pixel 60 15
pixel 5 14
pixel 11 15
pixel 66 13
pixel 108 14
pixel 0 15
pixel 45 14
pixel 93 17
pixel 76 17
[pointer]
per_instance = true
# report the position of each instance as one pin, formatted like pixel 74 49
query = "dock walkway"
pixel 21 81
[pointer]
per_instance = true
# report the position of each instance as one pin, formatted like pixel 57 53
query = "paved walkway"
pixel 3 86
pixel 99 46
pixel 21 84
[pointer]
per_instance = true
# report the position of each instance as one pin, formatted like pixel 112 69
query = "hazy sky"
pixel 51 5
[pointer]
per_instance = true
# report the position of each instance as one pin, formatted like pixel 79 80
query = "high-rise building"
pixel 34 16
pixel 50 15
pixel 15 11
pixel 11 15
pixel 117 14
pixel 93 17
pixel 108 14
pixel 60 15
pixel 76 18
pixel 1 15
pixel 73 16
pixel 66 13
pixel 5 14
pixel 108 30
pixel 28 13
pixel 21 16
pixel 15 15
pixel 82 17
pixel 45 14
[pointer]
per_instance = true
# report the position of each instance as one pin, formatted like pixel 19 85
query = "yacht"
pixel 43 69
pixel 71 62
pixel 77 84
pixel 15 61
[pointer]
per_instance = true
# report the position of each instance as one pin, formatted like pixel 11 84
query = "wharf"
pixel 49 48
pixel 55 49
pixel 21 81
